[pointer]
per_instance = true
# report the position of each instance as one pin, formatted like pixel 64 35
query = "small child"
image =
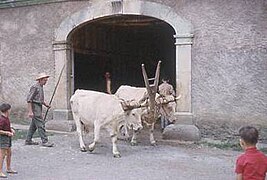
pixel 253 163
pixel 6 132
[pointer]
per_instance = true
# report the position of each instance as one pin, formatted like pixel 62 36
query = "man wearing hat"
pixel 35 100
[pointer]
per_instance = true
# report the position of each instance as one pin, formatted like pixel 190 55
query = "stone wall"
pixel 229 63
pixel 229 55
pixel 20 3
pixel 27 35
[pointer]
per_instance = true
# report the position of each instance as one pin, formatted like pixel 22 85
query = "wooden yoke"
pixel 152 90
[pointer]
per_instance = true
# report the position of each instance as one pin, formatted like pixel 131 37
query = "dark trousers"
pixel 37 123
pixel 164 122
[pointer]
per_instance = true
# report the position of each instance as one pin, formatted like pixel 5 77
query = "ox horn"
pixel 177 98
pixel 166 101
pixel 129 104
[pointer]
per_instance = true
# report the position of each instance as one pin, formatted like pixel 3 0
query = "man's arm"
pixel 30 97
pixel 30 113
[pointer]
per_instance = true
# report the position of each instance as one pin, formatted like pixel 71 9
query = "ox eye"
pixel 133 114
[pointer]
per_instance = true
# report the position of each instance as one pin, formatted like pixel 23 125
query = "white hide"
pixel 101 110
pixel 130 93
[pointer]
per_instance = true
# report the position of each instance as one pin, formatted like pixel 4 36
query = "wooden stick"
pixel 54 91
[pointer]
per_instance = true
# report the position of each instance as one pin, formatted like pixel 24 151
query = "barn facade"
pixel 214 52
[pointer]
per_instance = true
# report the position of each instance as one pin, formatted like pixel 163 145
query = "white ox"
pixel 101 110
pixel 139 94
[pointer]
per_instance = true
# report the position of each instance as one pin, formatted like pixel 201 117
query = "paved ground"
pixel 167 160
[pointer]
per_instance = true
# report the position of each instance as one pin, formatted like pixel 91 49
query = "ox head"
pixel 149 117
pixel 133 114
pixel 167 105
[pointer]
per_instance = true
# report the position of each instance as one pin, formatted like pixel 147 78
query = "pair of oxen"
pixel 100 110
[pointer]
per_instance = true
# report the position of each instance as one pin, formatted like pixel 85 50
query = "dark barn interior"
pixel 119 45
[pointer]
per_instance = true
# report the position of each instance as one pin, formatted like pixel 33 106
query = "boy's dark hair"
pixel 249 134
pixel 5 107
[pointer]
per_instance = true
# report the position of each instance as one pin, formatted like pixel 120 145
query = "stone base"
pixel 62 114
pixel 61 125
pixel 62 121
pixel 181 132
pixel 183 118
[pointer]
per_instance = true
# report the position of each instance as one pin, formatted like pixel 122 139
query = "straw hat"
pixel 41 76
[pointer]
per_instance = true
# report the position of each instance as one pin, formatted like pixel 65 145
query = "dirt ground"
pixel 168 160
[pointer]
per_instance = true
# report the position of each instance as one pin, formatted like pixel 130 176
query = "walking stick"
pixel 54 91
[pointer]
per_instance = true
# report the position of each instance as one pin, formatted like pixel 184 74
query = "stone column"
pixel 184 128
pixel 183 43
pixel 62 52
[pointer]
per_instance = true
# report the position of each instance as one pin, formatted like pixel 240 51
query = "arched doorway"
pixel 119 45
pixel 64 54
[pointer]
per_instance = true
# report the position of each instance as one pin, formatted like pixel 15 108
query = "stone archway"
pixel 63 54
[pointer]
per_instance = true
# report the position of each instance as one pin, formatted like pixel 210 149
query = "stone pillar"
pixel 183 43
pixel 62 119
pixel 62 52
pixel 184 128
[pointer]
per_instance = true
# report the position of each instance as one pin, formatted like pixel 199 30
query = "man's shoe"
pixel 31 143
pixel 11 171
pixel 48 144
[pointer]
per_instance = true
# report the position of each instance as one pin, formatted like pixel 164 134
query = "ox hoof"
pixel 116 155
pixel 127 139
pixel 133 143
pixel 83 149
pixel 91 147
pixel 153 143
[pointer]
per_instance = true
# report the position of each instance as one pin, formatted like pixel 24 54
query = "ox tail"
pixel 75 112
pixel 74 104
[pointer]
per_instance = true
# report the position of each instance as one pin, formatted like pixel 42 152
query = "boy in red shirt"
pixel 251 165
pixel 6 133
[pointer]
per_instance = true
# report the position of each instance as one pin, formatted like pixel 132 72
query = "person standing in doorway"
pixel 35 100
pixel 108 82
pixel 166 91
pixel 6 133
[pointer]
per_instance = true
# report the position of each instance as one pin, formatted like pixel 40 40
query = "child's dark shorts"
pixel 5 142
